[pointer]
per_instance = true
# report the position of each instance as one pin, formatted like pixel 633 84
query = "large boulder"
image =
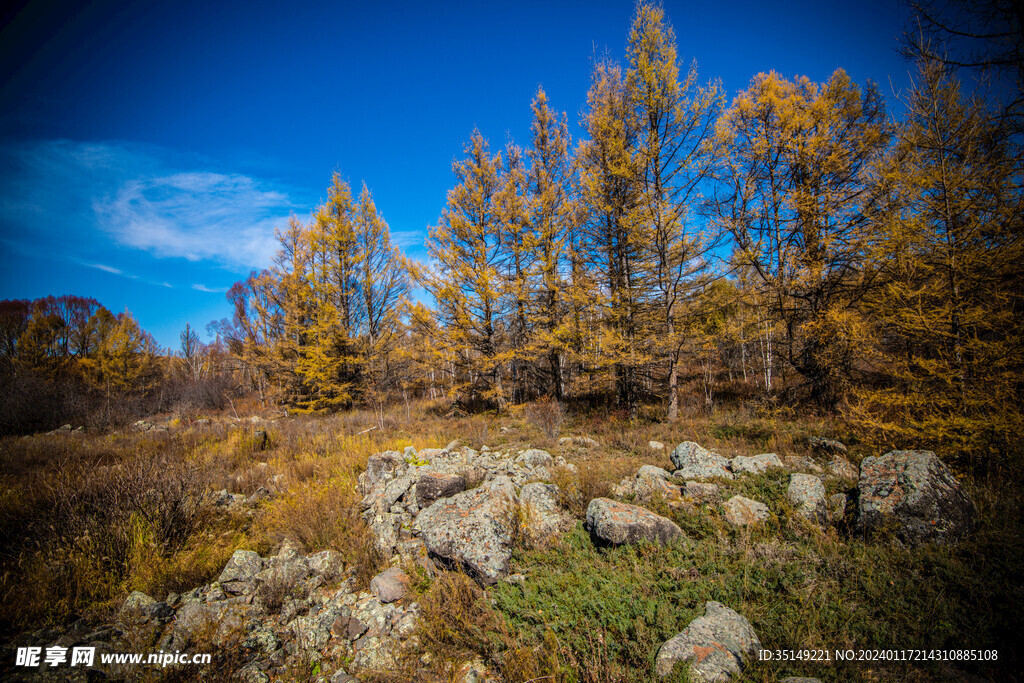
pixel 916 495
pixel 717 646
pixel 694 462
pixel 807 494
pixel 473 528
pixel 612 522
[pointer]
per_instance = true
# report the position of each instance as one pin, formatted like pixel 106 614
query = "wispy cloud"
pixel 209 290
pixel 104 268
pixel 71 194
pixel 229 219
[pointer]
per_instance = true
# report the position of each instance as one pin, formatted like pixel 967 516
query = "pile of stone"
pixel 910 493
pixel 280 614
pixel 425 502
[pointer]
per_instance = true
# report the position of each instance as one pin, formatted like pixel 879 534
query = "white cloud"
pixel 104 268
pixel 70 193
pixel 209 290
pixel 198 216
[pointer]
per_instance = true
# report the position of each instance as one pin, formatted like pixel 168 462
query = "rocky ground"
pixel 456 508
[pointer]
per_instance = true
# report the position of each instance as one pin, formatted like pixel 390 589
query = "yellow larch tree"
pixel 464 277
pixel 676 122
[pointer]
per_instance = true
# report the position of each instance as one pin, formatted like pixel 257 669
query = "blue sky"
pixel 148 150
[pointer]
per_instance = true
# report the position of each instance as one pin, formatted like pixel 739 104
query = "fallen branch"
pixel 366 430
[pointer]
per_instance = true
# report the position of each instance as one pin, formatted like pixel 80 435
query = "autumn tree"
pixel 127 357
pixel 675 122
pixel 551 219
pixel 795 196
pixel 383 286
pixel 464 278
pixel 516 262
pixel 612 239
pixel 948 313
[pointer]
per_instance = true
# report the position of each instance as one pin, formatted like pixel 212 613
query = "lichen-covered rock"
pixel 807 493
pixel 694 462
pixel 648 483
pixel 535 457
pixel 390 585
pixel 755 464
pixel 656 445
pixel 239 574
pixel 799 463
pixel 541 516
pixel 841 468
pixel 380 467
pixel 742 511
pixel 610 521
pixel 473 528
pixel 915 493
pixel 716 646
pixel 435 485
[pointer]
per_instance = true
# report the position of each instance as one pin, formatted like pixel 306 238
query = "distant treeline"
pixel 68 359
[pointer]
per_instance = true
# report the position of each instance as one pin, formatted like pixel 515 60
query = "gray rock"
pixel 136 606
pixel 717 646
pixel 799 462
pixel 653 472
pixel 380 467
pixel 535 457
pixel 694 462
pixel 239 574
pixel 330 564
pixel 390 585
pixel 375 654
pixel 807 493
pixel 656 445
pixel 799 679
pixel 340 676
pixel 540 514
pixel 473 528
pixel 648 483
pixel 584 441
pixel 755 464
pixel 393 492
pixel 825 446
pixel 742 511
pixel 914 492
pixel 435 485
pixel 841 468
pixel 616 523
pixel 221 622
